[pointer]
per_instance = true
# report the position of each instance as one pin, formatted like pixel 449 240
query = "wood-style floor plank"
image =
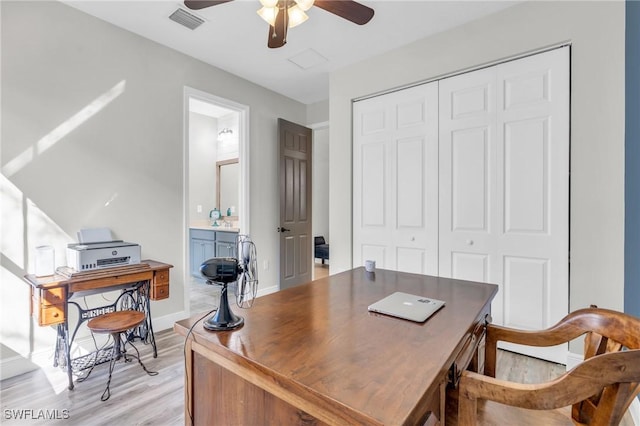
pixel 136 398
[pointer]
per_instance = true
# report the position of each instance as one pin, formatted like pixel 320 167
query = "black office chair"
pixel 321 249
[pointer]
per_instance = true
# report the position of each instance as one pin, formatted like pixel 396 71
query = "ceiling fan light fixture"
pixel 269 14
pixel 304 4
pixel 269 3
pixel 296 16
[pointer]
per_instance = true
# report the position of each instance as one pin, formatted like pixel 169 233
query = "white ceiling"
pixel 234 37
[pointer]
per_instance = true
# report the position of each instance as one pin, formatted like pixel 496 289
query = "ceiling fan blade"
pixel 347 9
pixel 201 4
pixel 278 32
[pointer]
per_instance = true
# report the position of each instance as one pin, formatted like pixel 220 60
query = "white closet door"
pixel 504 188
pixel 467 177
pixel 395 180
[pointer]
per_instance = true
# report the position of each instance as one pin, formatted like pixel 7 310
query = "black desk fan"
pixel 225 270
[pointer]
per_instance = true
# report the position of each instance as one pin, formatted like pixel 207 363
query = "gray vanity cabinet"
pixel 226 244
pixel 205 244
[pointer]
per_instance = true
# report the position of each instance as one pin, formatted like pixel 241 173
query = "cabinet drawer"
pixel 47 314
pixel 53 296
pixel 160 285
pixel 226 237
pixel 203 235
pixel 47 305
pixel 161 277
pixel 160 292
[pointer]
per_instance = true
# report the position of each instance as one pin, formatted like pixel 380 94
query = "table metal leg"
pixel 67 351
pixel 135 297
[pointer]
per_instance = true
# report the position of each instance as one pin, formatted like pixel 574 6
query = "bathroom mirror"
pixel 228 186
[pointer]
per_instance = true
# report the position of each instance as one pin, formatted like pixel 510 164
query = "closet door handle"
pixel 282 229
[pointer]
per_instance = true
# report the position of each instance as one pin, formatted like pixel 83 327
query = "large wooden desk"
pixel 314 354
pixel 52 296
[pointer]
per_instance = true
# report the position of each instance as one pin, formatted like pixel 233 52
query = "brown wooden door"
pixel 296 257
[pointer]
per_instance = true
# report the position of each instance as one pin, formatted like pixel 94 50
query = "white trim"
pixel 321 125
pixel 15 366
pixel 243 157
pixel 268 290
pixel 634 410
pixel 464 71
pixel 166 322
pixel 573 360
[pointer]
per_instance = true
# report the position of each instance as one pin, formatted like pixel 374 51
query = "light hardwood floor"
pixel 138 399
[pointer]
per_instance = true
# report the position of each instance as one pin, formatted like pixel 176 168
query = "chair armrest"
pixel 570 327
pixel 552 336
pixel 585 380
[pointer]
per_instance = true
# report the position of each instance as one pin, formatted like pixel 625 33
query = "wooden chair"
pixel 599 390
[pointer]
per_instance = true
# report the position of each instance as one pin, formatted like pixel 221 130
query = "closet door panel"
pixel 504 167
pixel 469 266
pixel 410 181
pixel 373 184
pixel 395 180
pixel 533 192
pixel 467 183
pixel 469 180
pixel 526 180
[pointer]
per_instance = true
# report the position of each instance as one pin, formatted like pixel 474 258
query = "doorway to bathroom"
pixel 216 195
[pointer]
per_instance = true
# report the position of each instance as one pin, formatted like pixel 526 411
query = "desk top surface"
pixel 321 336
pixel 62 279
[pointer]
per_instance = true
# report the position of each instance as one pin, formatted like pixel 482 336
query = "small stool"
pixel 116 323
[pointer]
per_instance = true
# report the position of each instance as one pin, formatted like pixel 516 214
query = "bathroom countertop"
pixel 206 225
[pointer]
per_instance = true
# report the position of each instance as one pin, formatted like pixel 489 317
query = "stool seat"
pixel 116 322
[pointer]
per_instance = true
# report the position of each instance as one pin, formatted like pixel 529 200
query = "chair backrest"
pixel 605 332
pixel 319 240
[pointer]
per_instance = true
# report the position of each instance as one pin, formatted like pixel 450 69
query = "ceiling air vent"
pixel 186 19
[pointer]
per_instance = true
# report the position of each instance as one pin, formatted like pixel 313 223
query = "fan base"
pixel 224 318
pixel 213 325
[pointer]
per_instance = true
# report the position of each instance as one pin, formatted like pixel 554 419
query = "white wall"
pixel 596 31
pixel 92 136
pixel 228 147
pixel 203 154
pixel 321 182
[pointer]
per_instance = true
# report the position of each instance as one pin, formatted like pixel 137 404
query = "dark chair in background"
pixel 321 249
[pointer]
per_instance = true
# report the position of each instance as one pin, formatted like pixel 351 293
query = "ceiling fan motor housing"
pixel 279 22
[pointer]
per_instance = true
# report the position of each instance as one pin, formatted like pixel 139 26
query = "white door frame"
pixel 243 157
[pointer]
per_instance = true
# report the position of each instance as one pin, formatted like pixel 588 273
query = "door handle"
pixel 282 229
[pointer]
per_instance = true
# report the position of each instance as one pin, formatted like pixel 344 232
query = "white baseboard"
pixel 268 290
pixel 573 360
pixel 166 322
pixel 15 366
pixel 634 409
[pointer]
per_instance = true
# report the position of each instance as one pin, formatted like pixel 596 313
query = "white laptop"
pixel 407 306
